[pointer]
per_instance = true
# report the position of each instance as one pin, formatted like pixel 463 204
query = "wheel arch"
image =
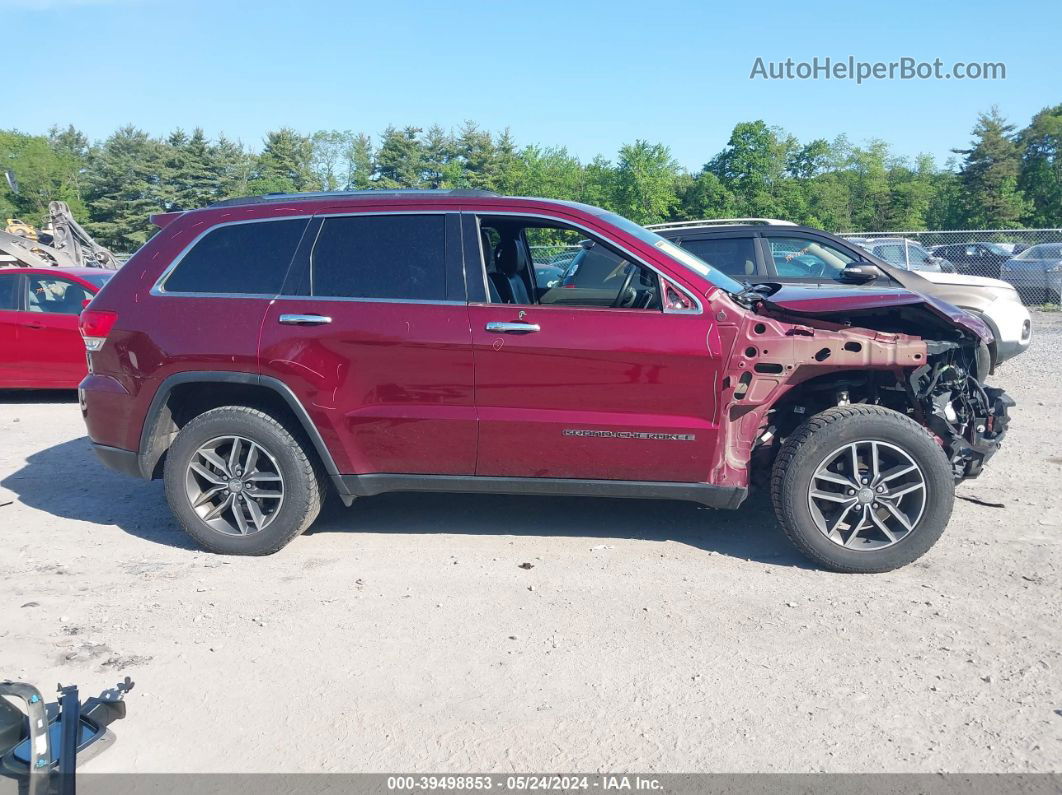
pixel 179 398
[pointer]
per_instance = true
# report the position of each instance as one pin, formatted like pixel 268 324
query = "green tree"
pixel 989 174
pixel 328 158
pixel 285 165
pixel 43 170
pixel 551 172
pixel 645 180
pixel 441 167
pixel 599 185
pixel 705 196
pixel 1040 179
pixel 946 210
pixel 360 163
pixel 125 183
pixel 232 167
pixel 400 159
pixel 478 157
pixel 752 166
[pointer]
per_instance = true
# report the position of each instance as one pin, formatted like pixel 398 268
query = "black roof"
pixel 269 198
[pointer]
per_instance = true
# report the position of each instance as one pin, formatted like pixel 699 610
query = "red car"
pixel 261 351
pixel 40 346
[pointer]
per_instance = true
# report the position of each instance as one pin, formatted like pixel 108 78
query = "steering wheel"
pixel 622 299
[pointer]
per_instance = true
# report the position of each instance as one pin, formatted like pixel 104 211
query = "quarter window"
pixel 249 258
pixel 380 256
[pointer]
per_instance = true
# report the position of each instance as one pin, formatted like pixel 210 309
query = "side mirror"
pixel 860 273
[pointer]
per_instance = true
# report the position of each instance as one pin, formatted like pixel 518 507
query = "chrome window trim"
pixel 633 257
pixel 159 288
pixel 440 302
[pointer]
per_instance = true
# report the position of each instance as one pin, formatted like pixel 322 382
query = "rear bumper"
pixel 125 461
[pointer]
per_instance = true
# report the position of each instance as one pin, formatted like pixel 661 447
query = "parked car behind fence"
pixel 1030 259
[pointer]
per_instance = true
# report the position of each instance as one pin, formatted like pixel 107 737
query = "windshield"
pixel 1041 252
pixel 997 249
pixel 685 258
pixel 98 279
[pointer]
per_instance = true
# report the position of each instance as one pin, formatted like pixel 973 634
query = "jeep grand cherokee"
pixel 255 353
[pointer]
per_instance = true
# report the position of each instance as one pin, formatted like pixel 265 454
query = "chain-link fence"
pixel 1030 259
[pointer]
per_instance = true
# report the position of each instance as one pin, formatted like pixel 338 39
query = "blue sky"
pixel 587 75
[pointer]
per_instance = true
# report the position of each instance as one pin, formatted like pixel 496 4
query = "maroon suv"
pixel 258 350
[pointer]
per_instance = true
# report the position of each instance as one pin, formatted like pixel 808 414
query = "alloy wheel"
pixel 234 485
pixel 867 495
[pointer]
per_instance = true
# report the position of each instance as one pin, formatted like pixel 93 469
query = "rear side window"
pixel 732 255
pixel 381 256
pixel 250 259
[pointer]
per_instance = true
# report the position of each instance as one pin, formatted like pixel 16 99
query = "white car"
pixel 995 301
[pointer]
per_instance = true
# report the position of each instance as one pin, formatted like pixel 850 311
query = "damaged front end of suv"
pixel 801 351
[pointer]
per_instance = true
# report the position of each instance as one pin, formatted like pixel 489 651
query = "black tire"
pixel 302 485
pixel 826 432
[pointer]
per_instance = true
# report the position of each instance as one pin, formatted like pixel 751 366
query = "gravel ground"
pixel 405 633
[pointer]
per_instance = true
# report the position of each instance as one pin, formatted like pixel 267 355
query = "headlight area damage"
pixel 802 351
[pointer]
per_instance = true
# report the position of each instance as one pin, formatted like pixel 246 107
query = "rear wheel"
pixel 240 483
pixel 862 489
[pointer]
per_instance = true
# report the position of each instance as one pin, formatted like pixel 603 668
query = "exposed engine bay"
pixel 952 401
pixel 801 351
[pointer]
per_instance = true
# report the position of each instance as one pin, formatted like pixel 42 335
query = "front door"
pixel 11 294
pixel 372 335
pixel 583 374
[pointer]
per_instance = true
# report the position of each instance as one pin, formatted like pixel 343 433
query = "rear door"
pixel 50 346
pixel 11 293
pixel 372 334
pixel 610 375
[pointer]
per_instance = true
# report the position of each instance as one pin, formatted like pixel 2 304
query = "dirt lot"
pixel 403 634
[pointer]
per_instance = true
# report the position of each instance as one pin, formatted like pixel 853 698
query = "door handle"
pixel 514 328
pixel 36 324
pixel 304 320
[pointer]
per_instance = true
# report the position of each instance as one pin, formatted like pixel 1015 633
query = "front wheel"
pixel 240 483
pixel 862 489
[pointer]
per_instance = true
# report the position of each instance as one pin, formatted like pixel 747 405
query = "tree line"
pixel 1004 178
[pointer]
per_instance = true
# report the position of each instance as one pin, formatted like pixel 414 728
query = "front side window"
pixel 380 256
pixel 807 258
pixel 530 262
pixel 56 296
pixel 243 258
pixel 680 255
pixel 735 256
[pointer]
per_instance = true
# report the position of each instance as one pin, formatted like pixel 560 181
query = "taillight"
pixel 95 325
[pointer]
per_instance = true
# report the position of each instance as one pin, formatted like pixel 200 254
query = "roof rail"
pixel 720 222
pixel 269 198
